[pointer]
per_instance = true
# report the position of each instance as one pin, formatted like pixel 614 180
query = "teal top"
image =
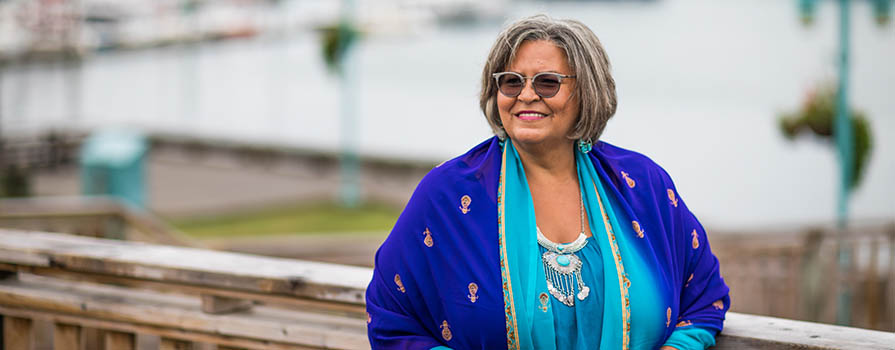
pixel 579 326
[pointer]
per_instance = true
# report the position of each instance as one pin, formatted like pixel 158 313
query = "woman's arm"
pixel 704 297
pixel 690 338
pixel 391 322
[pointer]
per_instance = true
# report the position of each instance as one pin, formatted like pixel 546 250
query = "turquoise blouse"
pixel 578 327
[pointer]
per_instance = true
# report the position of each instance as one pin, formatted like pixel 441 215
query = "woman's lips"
pixel 530 115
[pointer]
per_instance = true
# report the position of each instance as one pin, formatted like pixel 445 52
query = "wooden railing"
pixel 182 295
pixel 99 293
pixel 796 275
pixel 92 216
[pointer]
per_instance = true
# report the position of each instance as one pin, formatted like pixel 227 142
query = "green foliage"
pixel 882 10
pixel 336 39
pixel 818 115
pixel 299 218
pixel 14 182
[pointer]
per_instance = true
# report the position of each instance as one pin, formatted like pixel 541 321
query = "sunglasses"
pixel 545 84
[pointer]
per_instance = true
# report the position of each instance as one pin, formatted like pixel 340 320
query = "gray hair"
pixel 587 59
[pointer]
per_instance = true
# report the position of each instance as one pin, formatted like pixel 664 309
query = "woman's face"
pixel 530 119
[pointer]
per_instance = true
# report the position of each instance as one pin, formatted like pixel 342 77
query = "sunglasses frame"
pixel 560 77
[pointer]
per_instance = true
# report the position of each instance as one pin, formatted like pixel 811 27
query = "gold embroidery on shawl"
pixel 464 203
pixel 695 239
pixel 637 229
pixel 668 317
pixel 688 281
pixel 473 289
pixel 446 331
pixel 672 198
pixel 369 319
pixel 684 324
pixel 400 285
pixel 629 180
pixel 428 240
pixel 719 304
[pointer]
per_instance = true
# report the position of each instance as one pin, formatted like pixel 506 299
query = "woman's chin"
pixel 527 138
pixel 536 139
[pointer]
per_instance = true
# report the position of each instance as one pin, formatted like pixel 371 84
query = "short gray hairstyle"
pixel 587 59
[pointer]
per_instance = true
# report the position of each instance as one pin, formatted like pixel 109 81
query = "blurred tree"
pixel 817 115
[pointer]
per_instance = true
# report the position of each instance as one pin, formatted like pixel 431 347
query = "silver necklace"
pixel 563 268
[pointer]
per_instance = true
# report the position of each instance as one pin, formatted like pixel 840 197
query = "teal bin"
pixel 113 163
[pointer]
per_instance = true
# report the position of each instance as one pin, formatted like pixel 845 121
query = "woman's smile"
pixel 531 115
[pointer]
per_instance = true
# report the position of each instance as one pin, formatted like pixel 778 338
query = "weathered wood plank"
pixel 319 306
pixel 119 340
pixel 742 331
pixel 66 337
pixel 179 265
pixel 181 315
pixel 17 333
pixel 213 304
pixel 206 341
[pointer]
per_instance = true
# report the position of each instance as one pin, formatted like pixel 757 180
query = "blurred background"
pixel 299 128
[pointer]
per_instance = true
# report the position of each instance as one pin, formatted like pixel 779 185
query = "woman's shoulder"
pixel 630 162
pixel 473 165
pixel 465 185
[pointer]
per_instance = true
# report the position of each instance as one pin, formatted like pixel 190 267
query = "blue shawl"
pixel 457 269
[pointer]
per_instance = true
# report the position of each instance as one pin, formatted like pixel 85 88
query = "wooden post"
pixel 812 271
pixel 891 279
pixel 871 292
pixel 66 337
pixel 17 333
pixel 836 281
pixel 120 341
pixel 174 344
pixel 852 280
pixel 794 293
pixel 93 338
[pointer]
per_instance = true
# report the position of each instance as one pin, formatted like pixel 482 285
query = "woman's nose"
pixel 528 93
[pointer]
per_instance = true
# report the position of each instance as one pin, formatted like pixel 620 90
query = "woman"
pixel 539 238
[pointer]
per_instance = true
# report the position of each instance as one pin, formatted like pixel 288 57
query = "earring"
pixel 585 146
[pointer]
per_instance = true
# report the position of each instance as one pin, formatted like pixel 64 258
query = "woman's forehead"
pixel 539 56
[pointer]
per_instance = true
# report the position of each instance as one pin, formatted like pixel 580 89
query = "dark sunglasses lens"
pixel 510 84
pixel 546 85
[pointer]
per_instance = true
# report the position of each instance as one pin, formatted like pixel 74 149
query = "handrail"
pixel 231 276
pixel 146 226
pixel 213 272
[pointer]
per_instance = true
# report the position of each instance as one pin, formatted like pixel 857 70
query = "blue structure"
pixel 843 132
pixel 113 163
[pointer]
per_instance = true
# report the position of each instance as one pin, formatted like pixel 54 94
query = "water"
pixel 700 86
